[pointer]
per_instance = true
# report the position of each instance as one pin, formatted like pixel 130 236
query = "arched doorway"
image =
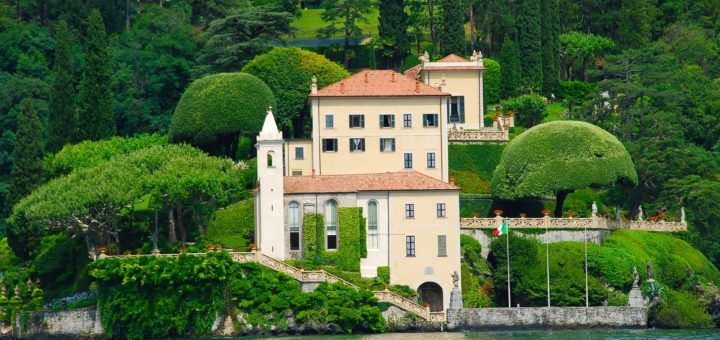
pixel 432 294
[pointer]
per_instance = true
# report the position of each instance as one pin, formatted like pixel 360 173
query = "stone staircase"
pixel 317 276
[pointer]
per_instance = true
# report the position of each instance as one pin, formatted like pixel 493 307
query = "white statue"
pixel 640 213
pixel 474 56
pixel 594 209
pixel 682 214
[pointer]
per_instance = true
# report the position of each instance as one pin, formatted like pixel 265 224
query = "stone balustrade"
pixel 572 223
pixel 408 305
pixel 486 134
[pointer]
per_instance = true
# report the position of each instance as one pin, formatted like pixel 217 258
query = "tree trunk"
pixel 431 15
pixel 559 202
pixel 472 25
pixel 127 15
pixel 181 224
pixel 172 237
pixel 346 46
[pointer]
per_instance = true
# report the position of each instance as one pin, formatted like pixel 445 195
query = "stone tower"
pixel 269 212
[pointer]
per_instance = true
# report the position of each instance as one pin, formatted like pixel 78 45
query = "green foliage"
pixel 529 30
pixel 88 154
pixel 550 22
pixel 558 158
pixel 581 48
pixel 232 40
pixel 509 59
pixel 452 27
pixel 60 263
pixel 472 166
pixel 26 172
pixel 313 235
pixel 529 109
pixel 162 297
pixel 392 29
pixel 233 226
pixel 288 72
pixel 491 81
pixel 344 16
pixel 96 119
pixel 472 207
pixel 216 109
pixel 383 274
pixel 523 255
pixel 681 310
pixel 576 92
pixel 62 117
pixel 351 233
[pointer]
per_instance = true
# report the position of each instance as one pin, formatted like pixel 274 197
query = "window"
pixel 387 144
pixel 357 144
pixel 430 120
pixel 407 120
pixel 409 210
pixel 408 160
pixel 431 160
pixel 409 245
pixel 331 225
pixel 440 209
pixel 299 152
pixel 294 223
pixel 387 121
pixel 297 172
pixel 329 145
pixel 357 121
pixel 442 245
pixel 456 108
pixel 329 121
pixel 270 159
pixel 372 233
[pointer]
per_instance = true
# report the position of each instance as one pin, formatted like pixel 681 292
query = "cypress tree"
pixel 550 46
pixel 62 118
pixel 394 39
pixel 95 115
pixel 530 43
pixel 26 173
pixel 509 68
pixel 452 29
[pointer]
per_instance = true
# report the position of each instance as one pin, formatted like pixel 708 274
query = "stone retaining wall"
pixel 72 324
pixel 594 235
pixel 544 317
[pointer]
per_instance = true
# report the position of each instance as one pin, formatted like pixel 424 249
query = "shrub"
pixel 529 109
pixel 91 153
pixel 383 274
pixel 288 71
pixel 472 166
pixel 576 92
pixel 59 263
pixel 617 298
pixel 491 81
pixel 234 225
pixel 215 110
pixel 680 310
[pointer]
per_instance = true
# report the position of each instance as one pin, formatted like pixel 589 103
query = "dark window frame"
pixel 325 145
pixel 387 121
pixel 359 124
pixel 331 119
pixel 427 120
pixel 383 141
pixel 431 160
pixel 302 153
pixel 410 245
pixel 361 147
pixel 408 160
pixel 407 120
pixel 441 210
pixel 409 210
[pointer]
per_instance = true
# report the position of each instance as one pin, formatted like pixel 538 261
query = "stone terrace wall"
pixel 552 236
pixel 544 317
pixel 72 324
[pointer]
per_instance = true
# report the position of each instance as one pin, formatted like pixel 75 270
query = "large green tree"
pixel 550 16
pixel 96 119
pixel 62 117
pixel 26 172
pixel 215 110
pixel 559 157
pixel 581 48
pixel 393 30
pixel 509 69
pixel 343 16
pixel 529 28
pixel 289 71
pixel 452 27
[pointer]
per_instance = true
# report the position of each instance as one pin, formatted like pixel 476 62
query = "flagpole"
pixel 547 262
pixel 507 253
pixel 587 296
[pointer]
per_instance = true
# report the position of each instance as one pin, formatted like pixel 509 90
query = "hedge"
pixel 234 225
pixel 351 235
pixel 491 81
pixel 529 109
pixel 288 72
pixel 313 235
pixel 214 110
pixel 472 166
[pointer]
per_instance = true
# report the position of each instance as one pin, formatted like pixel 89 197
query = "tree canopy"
pixel 288 71
pixel 215 110
pixel 559 157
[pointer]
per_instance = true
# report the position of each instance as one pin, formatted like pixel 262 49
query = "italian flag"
pixel 502 229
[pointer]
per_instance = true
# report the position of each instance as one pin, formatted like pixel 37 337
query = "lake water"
pixel 634 334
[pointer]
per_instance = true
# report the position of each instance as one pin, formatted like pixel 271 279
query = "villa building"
pixel 379 144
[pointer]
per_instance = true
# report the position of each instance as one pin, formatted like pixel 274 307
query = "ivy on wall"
pixel 351 235
pixel 313 235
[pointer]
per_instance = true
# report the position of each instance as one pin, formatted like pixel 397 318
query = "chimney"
pixel 313 86
pixel 342 87
pixel 452 181
pixel 366 77
pixel 417 86
pixel 393 77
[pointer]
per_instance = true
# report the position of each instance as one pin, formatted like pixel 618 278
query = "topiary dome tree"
pixel 288 72
pixel 215 110
pixel 559 157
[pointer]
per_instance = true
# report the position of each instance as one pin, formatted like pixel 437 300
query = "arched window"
pixel 372 226
pixel 294 223
pixel 270 159
pixel 331 224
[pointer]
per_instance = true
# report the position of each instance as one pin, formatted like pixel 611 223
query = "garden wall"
pixel 544 317
pixel 552 236
pixel 73 324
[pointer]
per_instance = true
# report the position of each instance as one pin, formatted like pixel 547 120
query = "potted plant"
pixel 497 212
pixel 523 215
pixel 546 212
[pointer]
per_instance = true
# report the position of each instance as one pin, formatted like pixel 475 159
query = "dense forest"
pixel 648 71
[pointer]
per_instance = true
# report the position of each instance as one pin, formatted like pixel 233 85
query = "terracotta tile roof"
pixel 388 181
pixel 378 83
pixel 413 72
pixel 452 58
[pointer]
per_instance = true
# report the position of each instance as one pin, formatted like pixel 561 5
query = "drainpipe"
pixel 388 228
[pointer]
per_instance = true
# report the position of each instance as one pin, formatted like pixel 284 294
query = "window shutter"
pixel 442 245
